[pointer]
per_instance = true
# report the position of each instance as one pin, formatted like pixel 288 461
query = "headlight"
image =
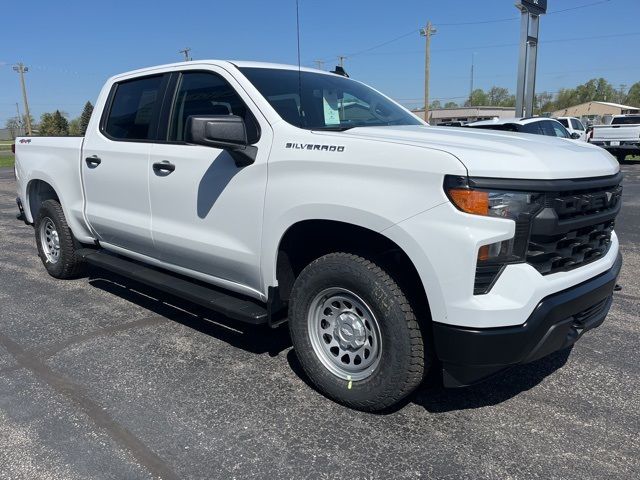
pixel 512 205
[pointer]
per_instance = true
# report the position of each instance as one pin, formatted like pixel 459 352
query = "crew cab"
pixel 273 193
pixel 621 137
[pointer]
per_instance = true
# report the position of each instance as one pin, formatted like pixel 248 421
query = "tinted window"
pixel 324 101
pixel 630 120
pixel 202 93
pixel 534 128
pixel 134 108
pixel 576 124
pixel 564 122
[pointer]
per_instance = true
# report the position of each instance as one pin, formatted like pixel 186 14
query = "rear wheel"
pixel 355 333
pixel 56 245
pixel 621 157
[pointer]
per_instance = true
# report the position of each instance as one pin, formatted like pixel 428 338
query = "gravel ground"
pixel 102 379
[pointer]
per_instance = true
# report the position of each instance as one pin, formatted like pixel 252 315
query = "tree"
pixel 14 126
pixel 435 105
pixel 477 98
pixel 74 127
pixel 633 95
pixel 544 102
pixel 85 116
pixel 53 124
pixel 451 105
pixel 497 96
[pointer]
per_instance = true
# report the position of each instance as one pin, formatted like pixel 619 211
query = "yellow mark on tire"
pixel 350 382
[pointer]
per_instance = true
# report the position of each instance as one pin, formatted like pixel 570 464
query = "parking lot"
pixel 103 378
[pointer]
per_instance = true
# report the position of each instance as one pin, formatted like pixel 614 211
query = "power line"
pixel 476 22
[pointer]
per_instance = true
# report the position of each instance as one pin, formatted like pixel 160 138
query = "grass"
pixel 6 158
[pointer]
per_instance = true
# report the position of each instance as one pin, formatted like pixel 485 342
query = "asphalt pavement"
pixel 101 378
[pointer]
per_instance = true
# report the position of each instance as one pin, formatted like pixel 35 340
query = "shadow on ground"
pixel 261 339
pixel 256 339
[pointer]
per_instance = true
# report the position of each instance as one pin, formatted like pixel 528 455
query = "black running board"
pixel 244 310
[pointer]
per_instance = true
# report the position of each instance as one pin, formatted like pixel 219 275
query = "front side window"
pixel 557 129
pixel 201 93
pixel 576 124
pixel 134 107
pixel 317 101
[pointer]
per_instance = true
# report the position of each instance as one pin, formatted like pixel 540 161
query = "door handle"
pixel 93 161
pixel 165 167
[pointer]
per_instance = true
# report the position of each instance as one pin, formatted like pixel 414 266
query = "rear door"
pixel 115 164
pixel 206 210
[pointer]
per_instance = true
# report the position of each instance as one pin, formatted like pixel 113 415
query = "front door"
pixel 115 165
pixel 207 211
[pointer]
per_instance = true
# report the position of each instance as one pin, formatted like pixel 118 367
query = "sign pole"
pixel 529 30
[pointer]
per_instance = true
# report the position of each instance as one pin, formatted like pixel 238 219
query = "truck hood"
pixel 490 153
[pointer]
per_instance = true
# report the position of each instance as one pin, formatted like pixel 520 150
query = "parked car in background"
pixel 574 125
pixel 535 125
pixel 621 137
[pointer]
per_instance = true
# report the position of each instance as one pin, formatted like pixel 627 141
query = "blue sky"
pixel 71 47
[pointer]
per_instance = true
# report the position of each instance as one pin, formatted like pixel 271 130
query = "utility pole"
pixel 426 32
pixel 21 69
pixel 319 64
pixel 185 51
pixel 341 59
pixel 471 86
pixel 20 120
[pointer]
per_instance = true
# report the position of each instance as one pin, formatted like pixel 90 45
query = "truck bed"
pixel 56 161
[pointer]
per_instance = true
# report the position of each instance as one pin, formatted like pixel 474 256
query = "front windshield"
pixel 328 102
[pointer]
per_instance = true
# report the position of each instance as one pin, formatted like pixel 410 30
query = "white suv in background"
pixel 574 125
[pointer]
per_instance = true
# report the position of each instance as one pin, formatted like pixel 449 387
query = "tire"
pixel 56 245
pixel 621 157
pixel 360 291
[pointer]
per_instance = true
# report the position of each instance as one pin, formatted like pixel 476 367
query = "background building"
pixel 596 112
pixel 465 114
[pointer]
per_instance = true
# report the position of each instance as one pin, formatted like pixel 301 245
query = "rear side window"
pixel 564 122
pixel 534 128
pixel 134 108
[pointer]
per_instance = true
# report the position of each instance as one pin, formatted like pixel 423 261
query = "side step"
pixel 227 304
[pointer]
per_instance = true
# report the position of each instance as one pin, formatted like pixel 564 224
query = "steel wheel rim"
pixel 50 240
pixel 344 333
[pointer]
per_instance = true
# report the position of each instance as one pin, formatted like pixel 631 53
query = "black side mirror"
pixel 575 135
pixel 222 131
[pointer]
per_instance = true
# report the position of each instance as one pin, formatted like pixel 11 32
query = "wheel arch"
pixel 308 239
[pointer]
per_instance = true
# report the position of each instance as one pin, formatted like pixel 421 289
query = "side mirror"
pixel 575 135
pixel 222 131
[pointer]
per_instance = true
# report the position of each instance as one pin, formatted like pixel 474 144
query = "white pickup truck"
pixel 270 193
pixel 621 137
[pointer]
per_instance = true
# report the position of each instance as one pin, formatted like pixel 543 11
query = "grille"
pixel 565 251
pixel 584 204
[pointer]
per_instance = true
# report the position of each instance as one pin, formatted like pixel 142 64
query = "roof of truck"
pixel 237 63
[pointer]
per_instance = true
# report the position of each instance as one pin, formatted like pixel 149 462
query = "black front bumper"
pixel 470 355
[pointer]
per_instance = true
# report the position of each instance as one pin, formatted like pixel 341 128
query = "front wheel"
pixel 355 333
